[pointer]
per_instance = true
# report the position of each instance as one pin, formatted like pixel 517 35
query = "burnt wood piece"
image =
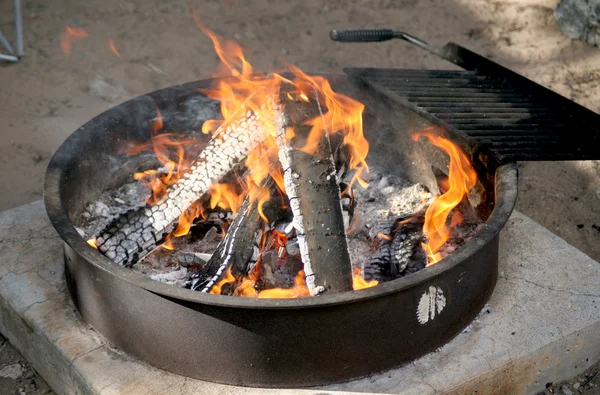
pixel 400 252
pixel 239 248
pixel 406 251
pixel 136 234
pixel 311 185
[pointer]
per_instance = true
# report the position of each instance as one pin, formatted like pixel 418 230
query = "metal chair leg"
pixel 18 35
pixel 6 44
pixel 9 58
pixel 19 28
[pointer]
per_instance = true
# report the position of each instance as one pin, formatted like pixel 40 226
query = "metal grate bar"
pixel 512 121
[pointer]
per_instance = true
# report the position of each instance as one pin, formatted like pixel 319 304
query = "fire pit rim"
pixel 506 194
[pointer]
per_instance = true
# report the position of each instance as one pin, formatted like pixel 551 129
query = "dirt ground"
pixel 47 95
pixel 16 375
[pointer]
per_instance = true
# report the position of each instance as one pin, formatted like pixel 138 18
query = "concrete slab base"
pixel 542 324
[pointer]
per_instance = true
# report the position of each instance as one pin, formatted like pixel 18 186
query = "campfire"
pixel 287 217
pixel 282 202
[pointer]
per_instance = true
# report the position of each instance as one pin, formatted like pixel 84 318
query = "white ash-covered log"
pixel 134 235
pixel 314 194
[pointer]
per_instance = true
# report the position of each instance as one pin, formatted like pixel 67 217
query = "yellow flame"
pixel 461 179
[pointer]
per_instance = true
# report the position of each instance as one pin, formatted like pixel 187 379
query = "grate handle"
pixel 361 35
pixel 376 35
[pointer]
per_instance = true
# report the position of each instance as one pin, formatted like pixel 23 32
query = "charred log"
pixel 136 234
pixel 399 251
pixel 407 254
pixel 314 194
pixel 239 249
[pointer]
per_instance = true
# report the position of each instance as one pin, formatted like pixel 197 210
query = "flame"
pixel 168 244
pixel 299 290
pixel 69 36
pixel 247 92
pixel 360 283
pixel 92 242
pixel 228 279
pixel 383 236
pixel 241 94
pixel 169 150
pixel 225 196
pixel 343 114
pixel 187 218
pixel 110 45
pixel 247 287
pixel 461 178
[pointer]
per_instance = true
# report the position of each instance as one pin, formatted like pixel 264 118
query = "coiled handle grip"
pixel 361 35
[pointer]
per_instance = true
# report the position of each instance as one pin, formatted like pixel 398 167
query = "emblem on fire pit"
pixel 432 303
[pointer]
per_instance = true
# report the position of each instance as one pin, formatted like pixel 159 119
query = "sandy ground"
pixel 47 96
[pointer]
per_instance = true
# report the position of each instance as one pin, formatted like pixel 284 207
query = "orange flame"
pixel 187 218
pixel 110 45
pixel 360 283
pixel 169 150
pixel 461 178
pixel 245 91
pixel 228 279
pixel 383 236
pixel 242 93
pixel 224 196
pixel 168 244
pixel 299 290
pixel 69 36
pixel 92 242
pixel 247 287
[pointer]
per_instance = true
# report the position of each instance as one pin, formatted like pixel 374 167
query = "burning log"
pixel 239 249
pixel 312 188
pixel 136 234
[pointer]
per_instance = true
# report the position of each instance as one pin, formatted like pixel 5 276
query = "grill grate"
pixel 502 113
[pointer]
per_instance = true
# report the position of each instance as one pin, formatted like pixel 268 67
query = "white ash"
pixel 178 276
pixel 111 205
pixel 378 206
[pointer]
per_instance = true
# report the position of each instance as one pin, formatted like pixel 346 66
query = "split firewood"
pixel 239 249
pixel 312 188
pixel 136 234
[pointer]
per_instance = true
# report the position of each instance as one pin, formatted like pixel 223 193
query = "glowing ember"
pixel 359 283
pixel 461 178
pixel 69 36
pixel 110 45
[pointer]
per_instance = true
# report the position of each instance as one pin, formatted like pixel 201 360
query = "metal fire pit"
pixel 267 342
